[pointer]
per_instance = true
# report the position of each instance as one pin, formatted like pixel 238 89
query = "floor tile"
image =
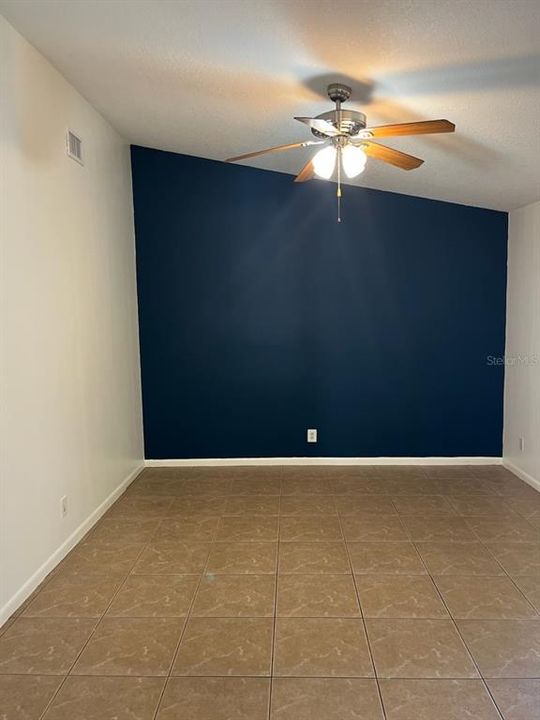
pixel 235 596
pixel 252 505
pixel 502 529
pixel 448 472
pixel 24 697
pixel 425 505
pixel 357 473
pixel 197 505
pixel 316 596
pixel 100 558
pixel 248 529
pixel 140 506
pixel 215 699
pixel 74 596
pixel 517 558
pixel 458 559
pixel 364 505
pixel 530 587
pixel 43 646
pixel 405 472
pixel 309 529
pixel 325 699
pixel 380 528
pixel 419 485
pixel 476 505
pixel 252 473
pixel 468 486
pixel 172 558
pixel 106 698
pixel 358 485
pixel 155 596
pixel 131 646
pixel 440 699
pixel 146 485
pixel 321 557
pixel 122 529
pixel 250 486
pixel 305 486
pixel 187 529
pixel 225 646
pixel 514 488
pixel 392 558
pixel 484 598
pixel 504 648
pixel 308 505
pixel 524 506
pixel 239 558
pixel 418 649
pixel 517 699
pixel 209 487
pixel 437 529
pixel 492 472
pixel 534 519
pixel 321 647
pixel 399 596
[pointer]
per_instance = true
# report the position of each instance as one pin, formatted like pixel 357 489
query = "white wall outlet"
pixel 312 435
pixel 521 444
pixel 64 506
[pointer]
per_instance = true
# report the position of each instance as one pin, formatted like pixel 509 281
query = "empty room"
pixel 270 360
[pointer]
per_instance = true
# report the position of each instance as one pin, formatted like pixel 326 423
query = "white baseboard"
pixel 52 561
pixel 529 479
pixel 219 462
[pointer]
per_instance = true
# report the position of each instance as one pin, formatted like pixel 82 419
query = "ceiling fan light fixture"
pixel 354 160
pixel 324 162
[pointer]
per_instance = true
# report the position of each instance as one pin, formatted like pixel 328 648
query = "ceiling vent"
pixel 74 147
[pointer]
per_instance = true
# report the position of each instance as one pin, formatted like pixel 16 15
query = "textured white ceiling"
pixel 218 78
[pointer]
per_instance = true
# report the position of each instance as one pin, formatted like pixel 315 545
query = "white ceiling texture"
pixel 216 78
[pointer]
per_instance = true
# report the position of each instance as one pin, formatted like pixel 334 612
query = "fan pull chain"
pixel 338 191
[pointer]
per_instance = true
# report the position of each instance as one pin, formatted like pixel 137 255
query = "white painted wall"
pixel 70 394
pixel 522 379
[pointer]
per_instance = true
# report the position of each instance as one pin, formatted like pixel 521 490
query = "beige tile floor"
pixel 322 593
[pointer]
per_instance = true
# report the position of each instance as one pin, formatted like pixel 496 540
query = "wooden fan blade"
pixel 278 148
pixel 415 128
pixel 306 173
pixel 321 126
pixel 389 155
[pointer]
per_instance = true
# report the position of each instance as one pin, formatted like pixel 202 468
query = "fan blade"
pixel 389 155
pixel 415 128
pixel 278 148
pixel 321 126
pixel 306 173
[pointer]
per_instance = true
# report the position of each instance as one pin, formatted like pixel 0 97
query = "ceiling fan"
pixel 348 142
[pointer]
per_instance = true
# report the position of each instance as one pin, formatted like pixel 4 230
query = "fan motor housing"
pixel 349 122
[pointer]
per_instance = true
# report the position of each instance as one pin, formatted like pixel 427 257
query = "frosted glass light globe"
pixel 354 160
pixel 324 162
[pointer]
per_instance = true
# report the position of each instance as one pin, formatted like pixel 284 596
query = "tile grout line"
pixel 486 547
pixel 469 653
pixel 115 594
pixel 274 627
pixel 186 621
pixel 507 575
pixel 368 644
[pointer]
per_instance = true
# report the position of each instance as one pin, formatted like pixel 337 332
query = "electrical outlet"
pixel 312 435
pixel 521 444
pixel 64 506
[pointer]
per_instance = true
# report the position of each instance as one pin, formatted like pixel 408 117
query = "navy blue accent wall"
pixel 260 316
